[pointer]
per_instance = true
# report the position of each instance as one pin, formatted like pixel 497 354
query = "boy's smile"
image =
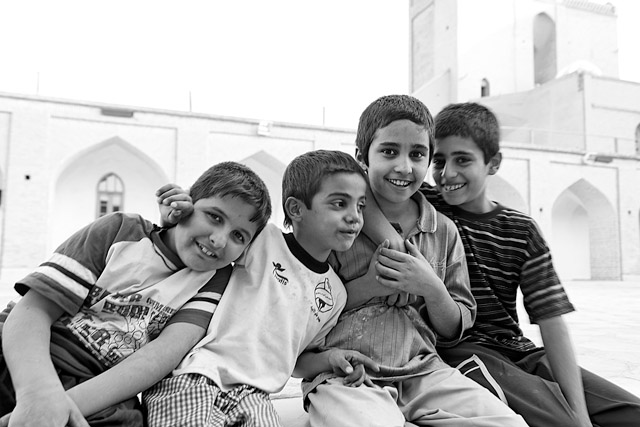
pixel 334 219
pixel 215 235
pixel 398 161
pixel 460 173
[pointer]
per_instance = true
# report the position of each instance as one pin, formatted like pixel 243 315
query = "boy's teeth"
pixel 453 187
pixel 398 182
pixel 205 250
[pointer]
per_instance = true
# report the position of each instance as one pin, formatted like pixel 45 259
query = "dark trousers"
pixel 531 390
pixel 124 414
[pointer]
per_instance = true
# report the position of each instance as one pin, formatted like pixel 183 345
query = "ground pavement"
pixel 605 330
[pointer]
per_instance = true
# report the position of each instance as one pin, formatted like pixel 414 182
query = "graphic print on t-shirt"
pixel 323 296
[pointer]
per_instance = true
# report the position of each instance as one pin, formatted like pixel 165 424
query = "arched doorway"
pixel 585 242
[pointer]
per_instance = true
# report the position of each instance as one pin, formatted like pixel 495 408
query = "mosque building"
pixel 548 69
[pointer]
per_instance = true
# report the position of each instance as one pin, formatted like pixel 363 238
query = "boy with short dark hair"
pixel 115 288
pixel 506 251
pixel 282 299
pixel 394 140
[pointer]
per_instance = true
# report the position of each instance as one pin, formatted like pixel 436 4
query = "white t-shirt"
pixel 278 303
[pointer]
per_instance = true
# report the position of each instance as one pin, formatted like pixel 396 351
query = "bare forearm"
pixel 559 349
pixel 310 364
pixel 142 369
pixel 377 226
pixel 443 312
pixel 362 289
pixel 26 342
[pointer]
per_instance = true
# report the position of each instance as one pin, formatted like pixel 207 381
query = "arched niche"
pixel 544 49
pixel 585 241
pixel 75 189
pixel 500 190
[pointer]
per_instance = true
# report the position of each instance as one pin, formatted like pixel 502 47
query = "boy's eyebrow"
pixel 342 194
pixel 396 144
pixel 222 213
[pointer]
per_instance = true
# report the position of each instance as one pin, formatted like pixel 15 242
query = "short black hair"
pixel 470 120
pixel 235 180
pixel 386 109
pixel 303 176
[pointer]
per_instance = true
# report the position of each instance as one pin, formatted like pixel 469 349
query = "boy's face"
pixel 215 234
pixel 398 161
pixel 460 173
pixel 335 217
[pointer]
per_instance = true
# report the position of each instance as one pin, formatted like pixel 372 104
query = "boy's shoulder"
pixel 429 218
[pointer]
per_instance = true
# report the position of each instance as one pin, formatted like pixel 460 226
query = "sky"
pixel 300 61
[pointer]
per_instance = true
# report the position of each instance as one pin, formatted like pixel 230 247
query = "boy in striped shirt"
pixel 505 251
pixel 114 287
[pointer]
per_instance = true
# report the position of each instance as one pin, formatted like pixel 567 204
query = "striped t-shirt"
pixel 505 250
pixel 119 285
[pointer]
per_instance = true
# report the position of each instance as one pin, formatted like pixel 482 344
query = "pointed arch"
pixel 74 188
pixel 585 240
pixel 544 49
pixel 501 191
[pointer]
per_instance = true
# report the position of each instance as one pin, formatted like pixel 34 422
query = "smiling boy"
pixel 283 298
pixel 394 140
pixel 505 252
pixel 119 286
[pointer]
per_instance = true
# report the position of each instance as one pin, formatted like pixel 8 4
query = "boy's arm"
pixel 174 203
pixel 138 372
pixel 363 288
pixel 377 227
pixel 348 363
pixel 412 273
pixel 40 397
pixel 557 343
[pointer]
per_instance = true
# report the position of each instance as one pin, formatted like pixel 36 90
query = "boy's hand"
pixel 401 299
pixel 175 204
pixel 352 365
pixel 45 412
pixel 409 272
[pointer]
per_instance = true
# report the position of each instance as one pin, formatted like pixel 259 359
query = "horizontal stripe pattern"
pixel 505 252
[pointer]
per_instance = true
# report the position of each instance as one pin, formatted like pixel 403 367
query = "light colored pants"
pixel 442 398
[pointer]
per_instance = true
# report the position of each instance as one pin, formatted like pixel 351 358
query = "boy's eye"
pixel 239 236
pixel 437 163
pixel 338 203
pixel 388 151
pixel 418 154
pixel 214 217
pixel 361 206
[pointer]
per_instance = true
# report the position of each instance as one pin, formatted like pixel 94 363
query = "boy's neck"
pixel 307 240
pixel 405 213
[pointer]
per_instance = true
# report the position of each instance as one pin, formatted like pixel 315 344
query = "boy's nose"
pixel 403 166
pixel 218 239
pixel 448 172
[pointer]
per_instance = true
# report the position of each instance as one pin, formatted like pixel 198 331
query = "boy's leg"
pixel 445 397
pixel 607 403
pixel 526 384
pixel 195 400
pixel 333 404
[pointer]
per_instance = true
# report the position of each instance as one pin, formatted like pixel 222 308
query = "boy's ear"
pixel 360 159
pixel 294 208
pixel 494 163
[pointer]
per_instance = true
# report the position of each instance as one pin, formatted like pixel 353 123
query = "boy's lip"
pixel 399 182
pixel 453 187
pixel 206 251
